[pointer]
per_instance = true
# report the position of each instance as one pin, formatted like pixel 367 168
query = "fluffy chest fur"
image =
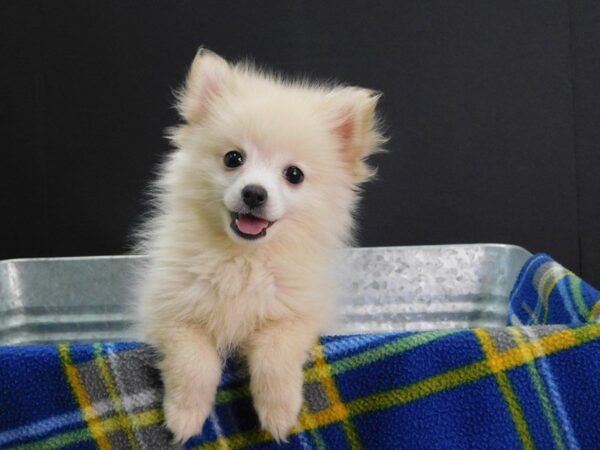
pixel 240 294
pixel 233 296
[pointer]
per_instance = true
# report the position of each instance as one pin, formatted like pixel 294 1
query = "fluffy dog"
pixel 251 208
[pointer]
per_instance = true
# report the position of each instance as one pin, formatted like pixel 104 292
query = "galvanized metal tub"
pixel 48 300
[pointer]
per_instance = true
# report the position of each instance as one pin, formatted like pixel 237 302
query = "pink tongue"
pixel 250 225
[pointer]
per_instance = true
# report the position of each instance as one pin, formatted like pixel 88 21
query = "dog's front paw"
pixel 278 420
pixel 185 419
pixel 278 410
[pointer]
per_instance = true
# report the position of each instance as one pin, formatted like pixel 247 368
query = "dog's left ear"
pixel 208 77
pixel 354 122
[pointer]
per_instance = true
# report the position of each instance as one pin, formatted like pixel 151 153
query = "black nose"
pixel 254 195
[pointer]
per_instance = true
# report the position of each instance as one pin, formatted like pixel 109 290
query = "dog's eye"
pixel 294 175
pixel 233 159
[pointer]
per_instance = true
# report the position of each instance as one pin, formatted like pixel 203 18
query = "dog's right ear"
pixel 206 79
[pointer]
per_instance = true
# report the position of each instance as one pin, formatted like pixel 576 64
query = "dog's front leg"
pixel 191 371
pixel 276 354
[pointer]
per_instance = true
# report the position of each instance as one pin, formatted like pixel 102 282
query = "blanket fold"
pixel 547 293
pixel 534 385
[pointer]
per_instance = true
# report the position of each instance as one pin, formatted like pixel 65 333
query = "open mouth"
pixel 248 226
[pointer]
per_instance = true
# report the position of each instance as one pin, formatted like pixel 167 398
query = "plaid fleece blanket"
pixel 515 387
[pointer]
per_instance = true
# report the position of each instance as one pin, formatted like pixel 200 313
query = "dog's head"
pixel 259 157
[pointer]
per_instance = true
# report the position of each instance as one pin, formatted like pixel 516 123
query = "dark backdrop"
pixel 493 108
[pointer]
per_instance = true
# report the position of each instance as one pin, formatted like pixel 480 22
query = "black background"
pixel 493 108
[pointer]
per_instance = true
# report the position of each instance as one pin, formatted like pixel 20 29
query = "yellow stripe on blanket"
pixel 122 417
pixel 89 414
pixel 511 398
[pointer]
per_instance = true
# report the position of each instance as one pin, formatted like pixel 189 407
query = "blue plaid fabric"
pixel 514 387
pixel 547 293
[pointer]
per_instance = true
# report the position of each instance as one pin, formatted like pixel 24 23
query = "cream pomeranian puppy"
pixel 251 208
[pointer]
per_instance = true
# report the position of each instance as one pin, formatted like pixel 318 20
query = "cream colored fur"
pixel 207 291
